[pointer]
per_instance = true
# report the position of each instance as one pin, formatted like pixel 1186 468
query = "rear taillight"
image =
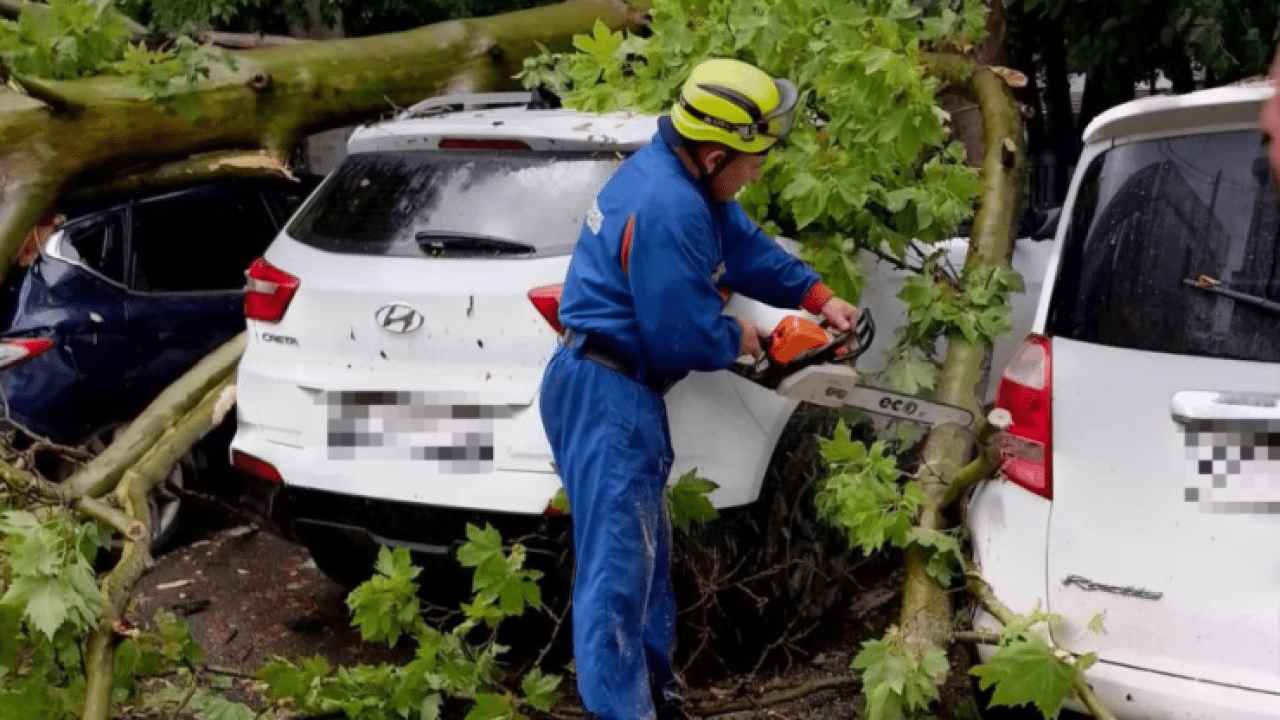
pixel 255 466
pixel 547 300
pixel 18 350
pixel 1026 391
pixel 268 291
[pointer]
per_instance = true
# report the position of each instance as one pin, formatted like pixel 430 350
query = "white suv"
pixel 1145 451
pixel 400 324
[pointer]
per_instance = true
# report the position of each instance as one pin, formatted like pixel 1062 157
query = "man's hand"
pixel 750 344
pixel 839 314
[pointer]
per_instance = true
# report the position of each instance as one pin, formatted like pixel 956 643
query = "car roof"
pixel 1233 105
pixel 540 129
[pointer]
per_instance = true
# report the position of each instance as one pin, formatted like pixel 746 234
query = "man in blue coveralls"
pixel 642 308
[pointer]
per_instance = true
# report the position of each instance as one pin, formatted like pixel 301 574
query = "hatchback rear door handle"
pixel 1197 405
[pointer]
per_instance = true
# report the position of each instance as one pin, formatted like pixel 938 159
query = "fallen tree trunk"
pixel 927 618
pixel 55 137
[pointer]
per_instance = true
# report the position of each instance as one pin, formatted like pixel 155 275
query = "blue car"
pixel 121 299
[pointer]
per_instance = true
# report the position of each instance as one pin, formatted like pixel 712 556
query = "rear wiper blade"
pixel 1210 285
pixel 438 243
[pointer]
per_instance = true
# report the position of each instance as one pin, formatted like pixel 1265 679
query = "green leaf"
pixel 45 602
pixel 945 558
pixel 211 706
pixel 841 448
pixel 386 606
pixel 913 373
pixel 688 502
pixel 541 691
pixel 560 502
pixel 1027 671
pixel 896 680
pixel 490 706
pixel 1097 624
pixel 601 45
pixel 430 708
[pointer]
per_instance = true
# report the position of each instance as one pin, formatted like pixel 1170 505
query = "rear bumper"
pixel 409 483
pixel 302 514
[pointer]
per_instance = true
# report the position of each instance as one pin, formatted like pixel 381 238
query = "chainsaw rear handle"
pixel 770 373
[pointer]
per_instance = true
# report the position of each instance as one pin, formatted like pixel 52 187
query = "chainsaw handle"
pixel 770 373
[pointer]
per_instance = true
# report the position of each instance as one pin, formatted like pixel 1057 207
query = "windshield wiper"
pixel 441 243
pixel 1210 285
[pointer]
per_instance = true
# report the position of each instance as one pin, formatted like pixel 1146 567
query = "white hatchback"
pixel 1145 453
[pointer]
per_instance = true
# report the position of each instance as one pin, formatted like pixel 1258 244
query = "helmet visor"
pixel 777 124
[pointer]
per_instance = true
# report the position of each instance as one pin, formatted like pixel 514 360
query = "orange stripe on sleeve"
pixel 626 244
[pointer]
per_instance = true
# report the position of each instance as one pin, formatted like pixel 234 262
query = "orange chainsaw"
pixel 804 361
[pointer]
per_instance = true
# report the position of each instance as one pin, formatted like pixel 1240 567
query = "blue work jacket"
pixel 653 252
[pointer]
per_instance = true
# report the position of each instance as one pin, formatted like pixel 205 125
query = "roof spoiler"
pixel 445 104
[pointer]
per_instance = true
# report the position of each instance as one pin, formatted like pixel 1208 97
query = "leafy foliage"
pixel 446 664
pixel 386 606
pixel 66 39
pixel 899 680
pixel 77 38
pixel 863 496
pixel 1026 670
pixel 851 174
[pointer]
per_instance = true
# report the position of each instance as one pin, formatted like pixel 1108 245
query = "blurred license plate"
pixel 447 428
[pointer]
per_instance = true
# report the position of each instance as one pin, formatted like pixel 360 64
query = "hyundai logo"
pixel 399 318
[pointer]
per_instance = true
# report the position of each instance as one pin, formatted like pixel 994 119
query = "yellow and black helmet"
pixel 735 104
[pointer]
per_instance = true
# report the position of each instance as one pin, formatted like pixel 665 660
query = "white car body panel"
pixel 1208 646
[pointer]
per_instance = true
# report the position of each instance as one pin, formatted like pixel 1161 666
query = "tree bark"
pixel 274 97
pixel 926 616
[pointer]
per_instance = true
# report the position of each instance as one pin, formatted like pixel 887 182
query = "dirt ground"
pixel 248 595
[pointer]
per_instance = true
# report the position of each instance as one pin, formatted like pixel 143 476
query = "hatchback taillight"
pixel 255 466
pixel 268 291
pixel 547 301
pixel 18 350
pixel 1026 391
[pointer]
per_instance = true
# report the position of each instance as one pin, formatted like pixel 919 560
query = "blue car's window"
pixel 199 241
pixel 98 244
pixel 454 202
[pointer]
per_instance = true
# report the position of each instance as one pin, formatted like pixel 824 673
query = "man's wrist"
pixel 816 298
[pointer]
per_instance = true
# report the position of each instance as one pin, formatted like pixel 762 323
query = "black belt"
pixel 598 352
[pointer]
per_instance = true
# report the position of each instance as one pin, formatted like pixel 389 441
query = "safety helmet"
pixel 736 104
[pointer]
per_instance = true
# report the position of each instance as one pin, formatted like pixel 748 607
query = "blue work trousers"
pixel 612 447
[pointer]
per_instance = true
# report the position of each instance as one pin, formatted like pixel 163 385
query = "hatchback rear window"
pixel 1172 247
pixel 454 203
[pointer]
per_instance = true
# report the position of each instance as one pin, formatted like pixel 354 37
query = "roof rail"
pixel 444 104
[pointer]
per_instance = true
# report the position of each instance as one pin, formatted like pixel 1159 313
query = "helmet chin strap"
pixel 707 179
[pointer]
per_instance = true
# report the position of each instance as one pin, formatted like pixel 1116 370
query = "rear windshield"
pixel 454 203
pixel 1172 247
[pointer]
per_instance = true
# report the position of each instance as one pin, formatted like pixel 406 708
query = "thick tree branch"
pixel 27 483
pixel 137 482
pixel 275 96
pixel 245 41
pixel 926 607
pixel 104 472
pixel 209 166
